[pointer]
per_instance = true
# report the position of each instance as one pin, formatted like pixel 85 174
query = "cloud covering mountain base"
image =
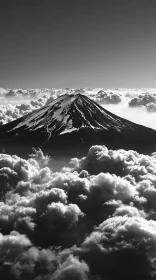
pixel 95 219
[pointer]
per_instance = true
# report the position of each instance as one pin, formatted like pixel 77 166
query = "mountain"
pixel 76 120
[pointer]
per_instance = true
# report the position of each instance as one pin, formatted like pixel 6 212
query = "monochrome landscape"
pixel 77 185
pixel 77 140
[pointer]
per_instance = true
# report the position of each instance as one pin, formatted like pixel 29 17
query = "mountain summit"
pixel 74 119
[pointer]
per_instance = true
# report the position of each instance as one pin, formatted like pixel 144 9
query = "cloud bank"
pixel 12 112
pixel 17 103
pixel 147 100
pixel 95 219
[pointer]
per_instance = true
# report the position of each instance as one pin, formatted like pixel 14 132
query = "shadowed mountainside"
pixel 75 122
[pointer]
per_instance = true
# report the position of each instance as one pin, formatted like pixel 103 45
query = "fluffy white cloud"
pixel 12 112
pixel 88 221
pixel 130 211
pixel 26 93
pixel 71 269
pixel 146 100
pixel 104 97
pixel 122 246
pixel 143 99
pixel 120 162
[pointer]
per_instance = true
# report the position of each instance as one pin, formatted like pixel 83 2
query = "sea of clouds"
pixel 93 220
pixel 137 105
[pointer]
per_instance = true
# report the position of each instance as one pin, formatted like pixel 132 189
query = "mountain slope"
pixel 74 119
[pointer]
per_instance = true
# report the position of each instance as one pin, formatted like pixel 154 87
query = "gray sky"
pixel 84 43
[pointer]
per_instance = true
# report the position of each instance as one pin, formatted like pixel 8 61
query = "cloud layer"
pixel 95 219
pixel 12 112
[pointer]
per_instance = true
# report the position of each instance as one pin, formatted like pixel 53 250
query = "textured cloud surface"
pixel 12 112
pixel 17 103
pixel 95 219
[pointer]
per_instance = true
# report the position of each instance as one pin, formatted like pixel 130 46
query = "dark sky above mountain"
pixel 85 43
